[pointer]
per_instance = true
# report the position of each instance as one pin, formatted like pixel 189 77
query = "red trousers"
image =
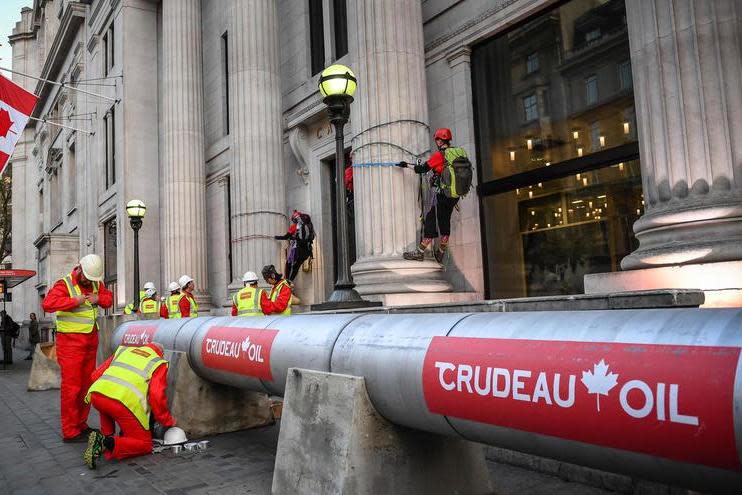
pixel 133 441
pixel 76 357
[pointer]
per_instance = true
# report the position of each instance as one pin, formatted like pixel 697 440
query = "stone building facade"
pixel 582 117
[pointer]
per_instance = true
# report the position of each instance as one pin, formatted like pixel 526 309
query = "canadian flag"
pixel 16 105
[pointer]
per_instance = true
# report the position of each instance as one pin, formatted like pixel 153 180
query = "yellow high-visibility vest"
pixel 277 291
pixel 80 319
pixel 127 380
pixel 192 301
pixel 247 301
pixel 150 308
pixel 173 309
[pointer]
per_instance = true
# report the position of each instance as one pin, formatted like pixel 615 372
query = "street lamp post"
pixel 337 84
pixel 135 209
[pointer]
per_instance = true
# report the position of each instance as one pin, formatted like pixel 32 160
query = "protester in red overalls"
pixel 141 370
pixel 75 299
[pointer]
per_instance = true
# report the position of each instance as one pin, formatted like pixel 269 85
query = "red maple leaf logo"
pixel 5 122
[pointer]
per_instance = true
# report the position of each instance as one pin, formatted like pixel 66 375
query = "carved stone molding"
pixel 300 148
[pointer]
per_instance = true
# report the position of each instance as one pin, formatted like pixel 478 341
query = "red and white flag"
pixel 16 105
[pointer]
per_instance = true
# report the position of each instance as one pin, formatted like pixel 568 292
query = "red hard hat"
pixel 444 134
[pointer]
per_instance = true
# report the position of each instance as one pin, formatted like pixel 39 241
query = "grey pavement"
pixel 35 461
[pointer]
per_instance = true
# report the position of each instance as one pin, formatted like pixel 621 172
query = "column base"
pixel 394 275
pixel 695 234
pixel 720 282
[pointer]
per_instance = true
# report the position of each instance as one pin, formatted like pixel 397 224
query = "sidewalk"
pixel 33 459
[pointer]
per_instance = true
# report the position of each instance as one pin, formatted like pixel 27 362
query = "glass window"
pixel 502 93
pixel 530 107
pixel 225 84
pixel 560 183
pixel 624 76
pixel 340 25
pixel 316 36
pixel 110 147
pixel 549 235
pixel 591 90
pixel 592 35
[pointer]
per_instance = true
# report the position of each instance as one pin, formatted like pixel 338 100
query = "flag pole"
pixel 62 84
pixel 91 133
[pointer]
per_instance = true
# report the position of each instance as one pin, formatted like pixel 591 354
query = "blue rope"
pixel 375 164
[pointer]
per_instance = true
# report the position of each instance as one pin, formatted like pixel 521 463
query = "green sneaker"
pixel 94 450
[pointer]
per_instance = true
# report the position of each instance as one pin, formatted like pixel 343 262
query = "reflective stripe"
pixel 143 373
pixel 131 368
pixel 73 319
pixel 118 381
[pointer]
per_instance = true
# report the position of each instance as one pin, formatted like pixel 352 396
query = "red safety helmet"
pixel 443 133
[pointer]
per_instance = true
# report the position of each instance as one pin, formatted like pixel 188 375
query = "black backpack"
pixel 457 173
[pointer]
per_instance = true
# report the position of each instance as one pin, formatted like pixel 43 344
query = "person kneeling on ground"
pixel 126 387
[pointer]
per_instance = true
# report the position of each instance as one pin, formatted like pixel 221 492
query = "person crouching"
pixel 126 387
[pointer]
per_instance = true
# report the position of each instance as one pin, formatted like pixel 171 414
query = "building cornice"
pixel 72 19
pixel 486 24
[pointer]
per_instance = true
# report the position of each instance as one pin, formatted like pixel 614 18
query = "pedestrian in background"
pixel 33 335
pixel 8 330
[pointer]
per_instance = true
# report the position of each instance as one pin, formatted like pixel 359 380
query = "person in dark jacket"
pixel 33 335
pixel 300 235
pixel 9 329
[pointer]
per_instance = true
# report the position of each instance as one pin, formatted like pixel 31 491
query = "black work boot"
pixel 439 254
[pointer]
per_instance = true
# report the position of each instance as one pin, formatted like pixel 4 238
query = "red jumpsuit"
pixel 282 301
pixel 134 439
pixel 76 357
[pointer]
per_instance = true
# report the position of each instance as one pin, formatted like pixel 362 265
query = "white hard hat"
pixel 174 436
pixel 150 285
pixel 249 277
pixel 150 292
pixel 92 267
pixel 173 286
pixel 184 280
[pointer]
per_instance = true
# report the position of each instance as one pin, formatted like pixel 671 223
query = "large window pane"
pixel 543 239
pixel 555 88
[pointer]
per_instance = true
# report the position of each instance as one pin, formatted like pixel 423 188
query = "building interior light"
pixel 529 144
pixel 620 166
pixel 578 176
pixel 548 163
pixel 577 201
pixel 512 156
pixel 584 181
pixel 579 151
pixel 602 141
pixel 576 135
pixel 533 213
pixel 530 194
pixel 626 128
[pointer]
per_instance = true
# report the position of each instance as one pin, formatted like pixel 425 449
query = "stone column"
pixel 389 121
pixel 183 173
pixel 256 131
pixel 687 65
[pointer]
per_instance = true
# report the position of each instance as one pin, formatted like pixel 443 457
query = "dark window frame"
pixel 316 36
pixel 340 27
pixel 225 82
